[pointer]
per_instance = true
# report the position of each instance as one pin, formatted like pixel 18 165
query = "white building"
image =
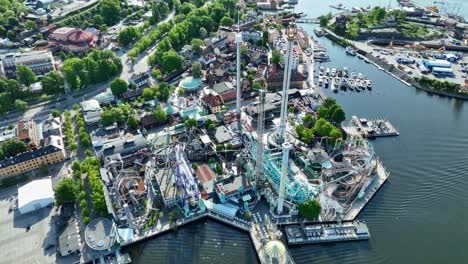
pixel 91 111
pixel 295 58
pixel 35 195
pixel 251 35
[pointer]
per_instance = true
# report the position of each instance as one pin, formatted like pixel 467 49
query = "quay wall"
pixel 392 70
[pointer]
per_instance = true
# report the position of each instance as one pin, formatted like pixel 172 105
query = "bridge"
pixel 306 20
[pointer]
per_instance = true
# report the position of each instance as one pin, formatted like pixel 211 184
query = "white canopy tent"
pixel 35 195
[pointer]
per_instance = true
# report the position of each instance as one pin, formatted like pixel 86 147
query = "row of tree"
pixel 96 67
pixel 85 139
pixel 69 134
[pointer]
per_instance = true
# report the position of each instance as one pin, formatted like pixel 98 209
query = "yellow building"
pixel 52 152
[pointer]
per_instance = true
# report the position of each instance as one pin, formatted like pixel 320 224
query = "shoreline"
pixel 391 69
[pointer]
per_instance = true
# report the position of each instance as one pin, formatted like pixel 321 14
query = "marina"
pixel 369 128
pixel 342 79
pixel 326 233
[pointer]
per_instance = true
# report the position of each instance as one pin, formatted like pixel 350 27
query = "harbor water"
pixel 417 217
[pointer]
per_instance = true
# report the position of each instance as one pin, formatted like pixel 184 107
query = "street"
pixel 128 68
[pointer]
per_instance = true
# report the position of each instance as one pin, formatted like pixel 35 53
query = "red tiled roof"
pixel 212 100
pixel 205 173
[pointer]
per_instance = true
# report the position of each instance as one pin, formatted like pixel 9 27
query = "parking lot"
pixel 19 245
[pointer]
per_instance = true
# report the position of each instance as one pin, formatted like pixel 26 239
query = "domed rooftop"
pixel 80 37
pixel 275 249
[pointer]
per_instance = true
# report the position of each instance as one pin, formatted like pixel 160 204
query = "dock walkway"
pixel 326 233
pixel 369 128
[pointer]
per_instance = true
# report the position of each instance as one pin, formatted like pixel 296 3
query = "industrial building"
pixel 40 63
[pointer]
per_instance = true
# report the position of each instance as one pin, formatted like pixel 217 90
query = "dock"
pixel 369 128
pixel 267 242
pixel 380 177
pixel 326 233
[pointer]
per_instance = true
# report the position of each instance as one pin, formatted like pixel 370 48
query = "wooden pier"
pixel 369 128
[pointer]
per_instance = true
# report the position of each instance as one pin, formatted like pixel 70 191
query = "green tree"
pixel 65 192
pixel 186 8
pixel 11 147
pixel 171 62
pixel 155 16
pixel 55 113
pixel 30 25
pixel 128 35
pixel 25 75
pixel 181 91
pixel 265 37
pixel 256 86
pixel 53 83
pixel 227 21
pixel 323 21
pixel 160 115
pixel 132 122
pixel 308 120
pixel 118 86
pixel 197 46
pixel 21 105
pixel 110 11
pixel 147 94
pixel 310 210
pixel 275 56
pixel 197 70
pixel 219 169
pixel 98 20
pixel 191 123
pixel 338 115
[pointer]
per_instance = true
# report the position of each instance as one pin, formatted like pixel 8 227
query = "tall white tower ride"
pixel 291 33
pixel 238 80
pixel 284 171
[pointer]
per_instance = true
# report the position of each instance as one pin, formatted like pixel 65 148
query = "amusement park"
pixel 257 172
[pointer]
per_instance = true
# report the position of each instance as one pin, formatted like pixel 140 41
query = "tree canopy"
pixel 275 56
pixel 65 192
pixel 171 62
pixel 52 83
pixel 310 210
pixel 160 114
pixel 227 21
pixel 25 75
pixel 11 147
pixel 96 67
pixel 197 46
pixel 197 70
pixel 128 35
pixel 190 123
pixel 118 86
pixel 110 11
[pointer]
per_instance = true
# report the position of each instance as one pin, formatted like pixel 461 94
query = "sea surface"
pixel 418 216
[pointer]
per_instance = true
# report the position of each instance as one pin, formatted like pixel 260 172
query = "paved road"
pixel 41 113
